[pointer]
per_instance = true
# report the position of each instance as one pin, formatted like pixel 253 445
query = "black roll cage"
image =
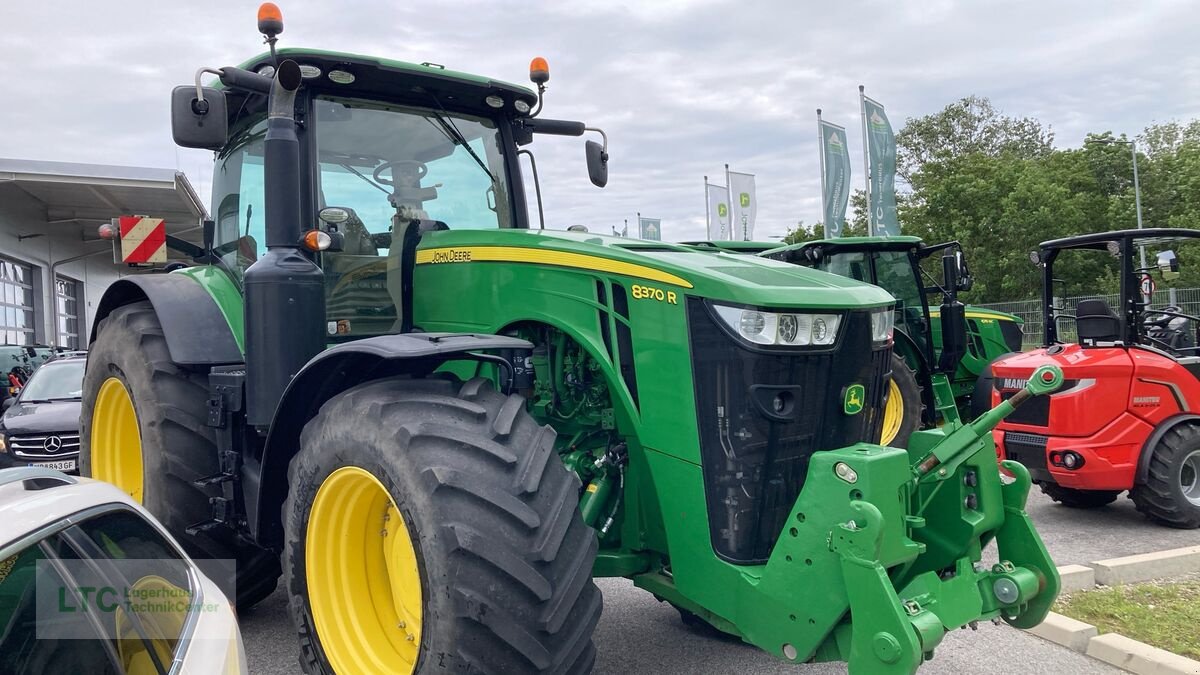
pixel 1132 307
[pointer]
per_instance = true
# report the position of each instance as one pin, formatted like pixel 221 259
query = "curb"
pixel 1147 566
pixel 1112 648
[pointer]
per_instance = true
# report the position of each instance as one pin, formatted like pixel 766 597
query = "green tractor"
pixel 439 422
pixel 895 264
pixel 915 398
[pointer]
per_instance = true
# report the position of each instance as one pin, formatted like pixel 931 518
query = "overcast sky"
pixel 681 86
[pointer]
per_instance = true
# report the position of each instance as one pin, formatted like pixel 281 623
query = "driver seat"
pixel 1096 322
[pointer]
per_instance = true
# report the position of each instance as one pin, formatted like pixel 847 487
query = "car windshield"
pixel 55 382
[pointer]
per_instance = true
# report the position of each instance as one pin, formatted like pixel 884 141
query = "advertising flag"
pixel 718 212
pixel 743 204
pixel 881 146
pixel 835 161
pixel 650 228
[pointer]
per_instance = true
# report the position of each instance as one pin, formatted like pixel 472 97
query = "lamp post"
pixel 1137 188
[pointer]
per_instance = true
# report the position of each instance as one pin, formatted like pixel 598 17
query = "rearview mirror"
pixel 965 280
pixel 597 163
pixel 8 403
pixel 197 123
pixel 1168 264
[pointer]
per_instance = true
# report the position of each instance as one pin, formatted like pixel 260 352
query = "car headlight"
pixel 883 322
pixel 781 328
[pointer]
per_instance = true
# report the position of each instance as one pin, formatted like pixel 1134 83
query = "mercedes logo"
pixel 53 444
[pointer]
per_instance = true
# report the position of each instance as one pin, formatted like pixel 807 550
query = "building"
pixel 53 264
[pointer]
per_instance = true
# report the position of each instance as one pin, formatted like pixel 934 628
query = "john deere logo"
pixel 856 394
pixel 722 209
pixel 744 199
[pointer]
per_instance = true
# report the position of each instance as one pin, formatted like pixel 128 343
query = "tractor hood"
pixel 718 275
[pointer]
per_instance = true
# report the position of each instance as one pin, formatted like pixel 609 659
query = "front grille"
pixel 754 459
pixel 41 447
pixel 1034 412
pixel 1029 450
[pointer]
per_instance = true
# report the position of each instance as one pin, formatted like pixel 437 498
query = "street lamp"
pixel 1137 188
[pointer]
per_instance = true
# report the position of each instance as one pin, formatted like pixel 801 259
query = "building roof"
pixel 85 195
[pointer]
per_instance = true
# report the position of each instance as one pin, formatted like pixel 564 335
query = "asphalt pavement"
pixel 637 634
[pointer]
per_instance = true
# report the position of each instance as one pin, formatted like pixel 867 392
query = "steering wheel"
pixel 418 167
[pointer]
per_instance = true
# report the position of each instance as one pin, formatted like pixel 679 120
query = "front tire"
pixel 142 427
pixel 430 527
pixel 1171 493
pixel 1079 499
pixel 902 408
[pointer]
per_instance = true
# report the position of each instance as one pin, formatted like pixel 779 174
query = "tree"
pixel 856 226
pixel 970 125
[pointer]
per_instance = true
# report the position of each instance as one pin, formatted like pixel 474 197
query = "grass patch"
pixel 1163 614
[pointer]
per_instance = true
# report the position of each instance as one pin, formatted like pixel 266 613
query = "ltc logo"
pixel 722 209
pixel 744 199
pixel 856 395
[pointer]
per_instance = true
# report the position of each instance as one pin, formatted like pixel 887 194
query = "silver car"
pixel 91 583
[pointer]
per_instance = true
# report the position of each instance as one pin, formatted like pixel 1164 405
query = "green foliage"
pixel 971 125
pixel 995 184
pixel 855 227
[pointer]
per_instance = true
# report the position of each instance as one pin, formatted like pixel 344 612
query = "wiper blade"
pixel 449 128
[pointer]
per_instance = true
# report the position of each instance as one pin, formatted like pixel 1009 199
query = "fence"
pixel 1187 299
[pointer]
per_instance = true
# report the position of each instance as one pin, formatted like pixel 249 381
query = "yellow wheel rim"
pixel 116 443
pixel 364 585
pixel 893 414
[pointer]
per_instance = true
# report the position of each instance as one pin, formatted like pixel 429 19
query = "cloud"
pixel 681 86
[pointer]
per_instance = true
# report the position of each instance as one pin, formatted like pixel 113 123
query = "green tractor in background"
pixel 915 400
pixel 438 422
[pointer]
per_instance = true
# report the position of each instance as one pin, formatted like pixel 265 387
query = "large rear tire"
pixel 902 407
pixel 430 528
pixel 1079 499
pixel 142 428
pixel 1170 494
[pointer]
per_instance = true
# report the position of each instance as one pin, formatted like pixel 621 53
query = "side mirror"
pixel 8 403
pixel 196 123
pixel 1168 264
pixel 597 163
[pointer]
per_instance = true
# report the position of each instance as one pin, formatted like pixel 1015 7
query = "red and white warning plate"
pixel 143 240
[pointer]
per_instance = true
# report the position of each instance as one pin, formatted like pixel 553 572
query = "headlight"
pixel 883 321
pixel 779 328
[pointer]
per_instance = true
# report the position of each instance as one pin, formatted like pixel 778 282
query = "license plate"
pixel 64 465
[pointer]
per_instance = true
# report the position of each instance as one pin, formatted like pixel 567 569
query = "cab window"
pixel 239 198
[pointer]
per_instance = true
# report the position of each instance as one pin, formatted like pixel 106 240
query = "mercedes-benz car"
pixel 40 427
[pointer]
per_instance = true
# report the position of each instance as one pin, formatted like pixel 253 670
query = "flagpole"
pixel 862 107
pixel 729 201
pixel 639 227
pixel 708 216
pixel 821 153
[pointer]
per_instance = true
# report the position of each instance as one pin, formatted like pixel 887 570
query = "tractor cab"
pixel 388 151
pixel 1128 417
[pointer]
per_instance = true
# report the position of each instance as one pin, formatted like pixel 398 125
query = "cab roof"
pixel 1150 236
pixel 379 78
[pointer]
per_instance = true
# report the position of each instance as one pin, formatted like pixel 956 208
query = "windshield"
pixel 55 381
pixel 426 163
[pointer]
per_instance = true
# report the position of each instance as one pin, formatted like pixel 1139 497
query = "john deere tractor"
pixel 439 423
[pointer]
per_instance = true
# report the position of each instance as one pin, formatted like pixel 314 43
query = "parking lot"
pixel 637 634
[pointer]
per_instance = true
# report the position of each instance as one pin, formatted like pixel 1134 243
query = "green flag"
pixel 835 160
pixel 881 146
pixel 650 228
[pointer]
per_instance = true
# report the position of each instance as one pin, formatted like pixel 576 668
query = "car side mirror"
pixel 1168 264
pixel 199 122
pixel 8 403
pixel 597 163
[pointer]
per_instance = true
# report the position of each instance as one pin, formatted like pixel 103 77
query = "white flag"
pixel 745 204
pixel 718 212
